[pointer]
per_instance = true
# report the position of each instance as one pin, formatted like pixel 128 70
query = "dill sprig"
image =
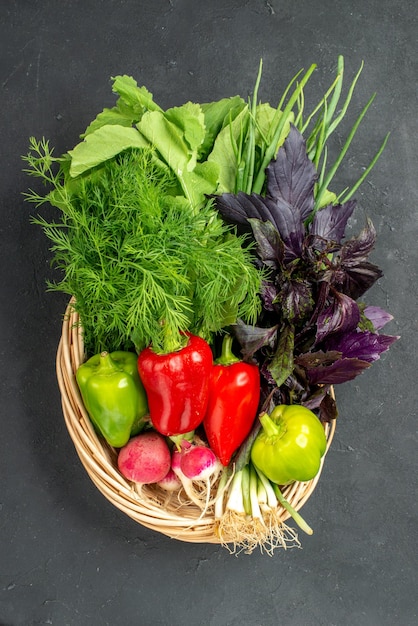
pixel 142 266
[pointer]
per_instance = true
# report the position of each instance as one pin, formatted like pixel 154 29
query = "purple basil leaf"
pixel 357 279
pixel 340 371
pixel 314 400
pixel 356 274
pixel 331 221
pixel 377 316
pixel 289 200
pixel 358 248
pixel 281 365
pixel 321 299
pixel 295 299
pixel 269 294
pixel 310 360
pixel 342 315
pixel 328 409
pixel 270 247
pixel 322 401
pixel 363 345
pixel 237 209
pixel 265 373
pixel 292 175
pixel 315 244
pixel 253 338
pixel 291 228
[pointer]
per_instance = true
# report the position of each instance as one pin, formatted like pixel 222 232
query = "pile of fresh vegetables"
pixel 193 235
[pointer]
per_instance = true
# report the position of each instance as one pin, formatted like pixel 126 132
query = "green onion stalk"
pixel 252 157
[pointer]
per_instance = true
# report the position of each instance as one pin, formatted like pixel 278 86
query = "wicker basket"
pixel 149 506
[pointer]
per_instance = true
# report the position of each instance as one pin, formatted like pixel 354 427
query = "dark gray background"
pixel 67 556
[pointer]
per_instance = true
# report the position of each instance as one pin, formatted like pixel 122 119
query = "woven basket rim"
pixel 146 506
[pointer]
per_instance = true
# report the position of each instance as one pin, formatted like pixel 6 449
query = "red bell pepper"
pixel 177 386
pixel 233 402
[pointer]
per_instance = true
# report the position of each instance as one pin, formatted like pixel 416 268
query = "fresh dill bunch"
pixel 142 266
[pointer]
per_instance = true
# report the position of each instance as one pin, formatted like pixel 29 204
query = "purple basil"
pixel 296 299
pixel 331 221
pixel 270 246
pixel 269 294
pixel 363 345
pixel 291 176
pixel 237 209
pixel 377 316
pixel 311 331
pixel 337 373
pixel 341 316
pixel 253 338
pixel 357 274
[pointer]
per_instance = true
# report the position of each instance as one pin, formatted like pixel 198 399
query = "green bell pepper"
pixel 113 395
pixel 290 445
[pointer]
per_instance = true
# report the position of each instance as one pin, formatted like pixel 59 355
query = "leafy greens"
pixel 142 266
pixel 158 174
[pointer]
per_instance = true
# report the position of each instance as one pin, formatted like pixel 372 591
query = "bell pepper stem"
pixel 106 363
pixel 270 427
pixel 173 342
pixel 178 439
pixel 227 356
pixel 289 508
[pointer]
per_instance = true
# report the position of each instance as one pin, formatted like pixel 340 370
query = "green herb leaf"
pixel 101 145
pixel 177 136
pixel 190 120
pixel 135 97
pixel 225 151
pixel 120 115
pixel 281 366
pixel 217 115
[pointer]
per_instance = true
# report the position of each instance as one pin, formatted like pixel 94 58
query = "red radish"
pixel 176 464
pixel 145 458
pixel 198 470
pixel 170 482
pixel 186 483
pixel 198 462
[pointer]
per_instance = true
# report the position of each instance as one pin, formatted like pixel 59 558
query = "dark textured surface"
pixel 68 557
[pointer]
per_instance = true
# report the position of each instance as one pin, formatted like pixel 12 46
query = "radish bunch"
pixel 147 458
